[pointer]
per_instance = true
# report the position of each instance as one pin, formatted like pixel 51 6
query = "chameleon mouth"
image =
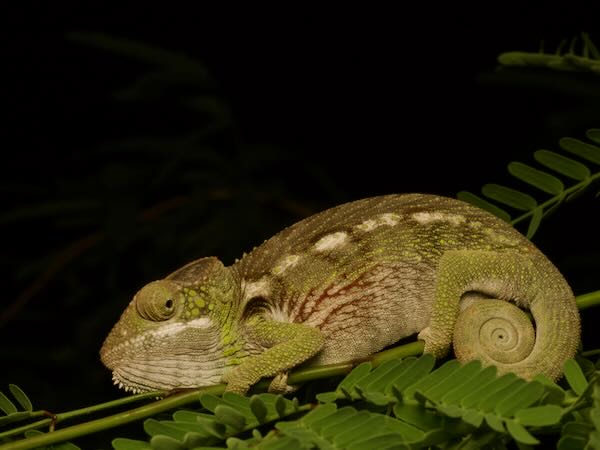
pixel 179 355
pixel 126 386
pixel 162 374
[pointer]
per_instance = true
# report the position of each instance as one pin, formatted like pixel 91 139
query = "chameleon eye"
pixel 156 301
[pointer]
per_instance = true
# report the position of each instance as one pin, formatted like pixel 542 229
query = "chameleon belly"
pixel 363 315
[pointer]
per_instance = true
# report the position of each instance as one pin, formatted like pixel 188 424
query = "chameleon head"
pixel 175 333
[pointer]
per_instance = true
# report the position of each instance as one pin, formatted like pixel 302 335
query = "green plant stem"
pixel 563 195
pixel 57 418
pixel 399 352
pixel 588 300
pixel 105 423
pixel 307 374
pixel 30 426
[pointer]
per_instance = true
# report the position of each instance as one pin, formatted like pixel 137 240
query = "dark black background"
pixel 317 108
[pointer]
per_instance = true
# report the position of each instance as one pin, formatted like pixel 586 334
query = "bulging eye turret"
pixel 157 301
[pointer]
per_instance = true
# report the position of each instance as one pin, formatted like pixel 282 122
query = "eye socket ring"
pixel 157 301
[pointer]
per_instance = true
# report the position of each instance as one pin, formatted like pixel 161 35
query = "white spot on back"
pixel 331 241
pixel 367 225
pixel 430 217
pixel 286 263
pixel 389 219
pixel 255 288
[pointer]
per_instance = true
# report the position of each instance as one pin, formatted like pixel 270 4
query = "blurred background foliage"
pixel 135 148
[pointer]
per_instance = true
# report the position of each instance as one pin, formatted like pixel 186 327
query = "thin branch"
pixel 106 423
pixel 585 301
pixel 58 418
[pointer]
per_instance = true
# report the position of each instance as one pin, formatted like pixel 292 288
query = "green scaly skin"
pixel 343 284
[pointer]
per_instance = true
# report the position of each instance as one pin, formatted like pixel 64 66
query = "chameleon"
pixel 343 284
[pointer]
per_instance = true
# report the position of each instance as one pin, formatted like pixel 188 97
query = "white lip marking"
pixel 169 330
pixel 202 322
pixel 331 241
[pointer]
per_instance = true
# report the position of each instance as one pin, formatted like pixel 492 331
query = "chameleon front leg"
pixel 506 275
pixel 289 344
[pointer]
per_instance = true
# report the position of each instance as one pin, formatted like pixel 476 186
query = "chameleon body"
pixel 343 284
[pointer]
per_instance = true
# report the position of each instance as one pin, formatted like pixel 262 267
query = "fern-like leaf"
pixel 226 417
pixel 405 404
pixel 543 181
pixel 11 412
pixel 583 431
pixel 588 59
pixel 130 444
pixel 563 165
pixel 582 149
pixel 347 428
pixel 456 397
pixel 537 178
pixel 575 377
pixel 593 135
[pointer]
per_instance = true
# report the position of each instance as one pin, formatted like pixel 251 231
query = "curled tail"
pixel 489 324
